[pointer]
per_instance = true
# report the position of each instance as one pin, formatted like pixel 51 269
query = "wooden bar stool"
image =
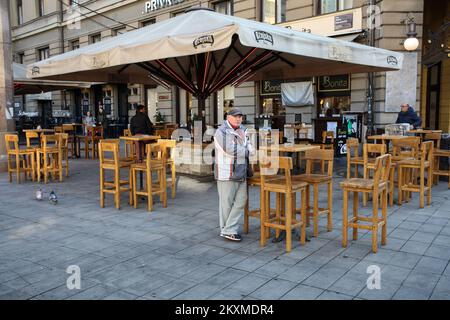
pixel 269 167
pixel 70 130
pixel 315 180
pixel 422 165
pixel 328 144
pixel 24 159
pixel 353 157
pixel 65 150
pixel 255 181
pixel 402 149
pixel 369 162
pixel 110 160
pixel 378 187
pixel 130 147
pixel 49 158
pixel 169 152
pixel 155 162
pixel 437 154
pixel 91 139
pixel 33 139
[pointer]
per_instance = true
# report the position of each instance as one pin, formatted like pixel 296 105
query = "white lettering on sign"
pixel 329 84
pixel 153 5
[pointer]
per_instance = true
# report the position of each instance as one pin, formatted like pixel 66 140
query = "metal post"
pixel 370 95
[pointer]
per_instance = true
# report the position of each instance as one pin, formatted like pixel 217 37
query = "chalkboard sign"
pixel 334 83
pixel 107 105
pixel 85 104
pixel 270 87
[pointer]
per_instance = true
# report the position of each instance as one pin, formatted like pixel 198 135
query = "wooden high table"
pixel 423 132
pixel 140 140
pixel 294 148
pixel 40 132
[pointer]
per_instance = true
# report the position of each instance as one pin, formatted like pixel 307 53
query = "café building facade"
pixel 50 27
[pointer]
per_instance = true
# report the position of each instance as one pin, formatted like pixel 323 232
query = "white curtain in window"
pixel 269 11
pixel 297 94
pixel 328 6
pixel 281 11
pixel 345 4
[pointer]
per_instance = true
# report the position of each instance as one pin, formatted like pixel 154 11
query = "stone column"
pixel 6 80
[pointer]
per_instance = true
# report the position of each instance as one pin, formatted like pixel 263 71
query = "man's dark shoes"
pixel 232 237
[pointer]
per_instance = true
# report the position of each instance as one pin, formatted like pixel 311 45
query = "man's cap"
pixel 235 112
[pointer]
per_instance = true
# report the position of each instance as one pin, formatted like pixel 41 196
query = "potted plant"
pixel 159 117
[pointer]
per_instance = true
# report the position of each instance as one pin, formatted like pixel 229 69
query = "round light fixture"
pixel 411 44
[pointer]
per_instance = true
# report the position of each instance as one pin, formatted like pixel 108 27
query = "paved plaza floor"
pixel 176 252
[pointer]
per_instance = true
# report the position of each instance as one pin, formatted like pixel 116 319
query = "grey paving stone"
pixel 442 240
pixel 415 247
pixel 171 290
pixel 120 295
pixel 324 277
pixel 422 281
pixel 149 283
pixel 94 293
pixel 386 291
pixel 348 285
pixel 438 251
pixel 405 259
pixel 226 294
pixel 249 283
pixel 431 265
pixel 301 292
pixel 200 291
pixel 401 233
pixel 423 237
pixel 204 272
pixel 330 295
pixel 226 277
pixel 408 293
pixel 274 289
pixel 410 225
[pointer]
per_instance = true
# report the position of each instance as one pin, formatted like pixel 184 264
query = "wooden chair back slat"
pixel 12 143
pixel 435 137
pixel 325 155
pixel 31 135
pixel 406 147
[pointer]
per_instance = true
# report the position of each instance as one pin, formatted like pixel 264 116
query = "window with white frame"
pixel 119 31
pixel 95 38
pixel 74 44
pixel 19 12
pixel 43 53
pixel 224 7
pixel 273 11
pixel 328 6
pixel 148 22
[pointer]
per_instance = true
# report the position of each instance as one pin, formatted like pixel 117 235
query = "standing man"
pixel 408 115
pixel 140 123
pixel 232 147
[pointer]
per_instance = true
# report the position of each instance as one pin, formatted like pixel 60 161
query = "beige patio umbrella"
pixel 24 85
pixel 203 51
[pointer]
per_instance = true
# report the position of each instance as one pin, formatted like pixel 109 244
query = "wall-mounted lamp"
pixel 411 43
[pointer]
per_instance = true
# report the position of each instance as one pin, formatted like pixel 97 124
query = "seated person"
pixel 140 123
pixel 408 115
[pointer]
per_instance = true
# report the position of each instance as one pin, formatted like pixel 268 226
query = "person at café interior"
pixel 408 115
pixel 140 123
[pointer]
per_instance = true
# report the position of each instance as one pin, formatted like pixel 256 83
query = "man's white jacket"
pixel 232 149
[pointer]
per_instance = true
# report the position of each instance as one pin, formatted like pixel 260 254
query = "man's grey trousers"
pixel 232 198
